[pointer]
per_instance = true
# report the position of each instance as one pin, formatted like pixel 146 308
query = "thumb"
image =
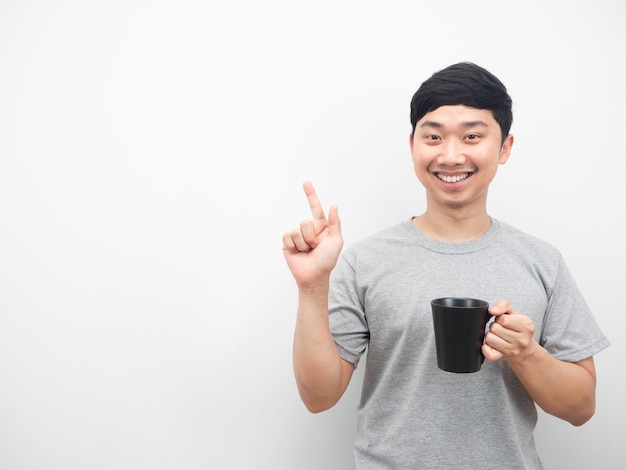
pixel 334 223
pixel 500 307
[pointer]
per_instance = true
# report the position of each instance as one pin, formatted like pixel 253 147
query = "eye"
pixel 471 137
pixel 433 137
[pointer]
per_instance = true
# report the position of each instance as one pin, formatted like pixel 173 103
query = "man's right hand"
pixel 312 249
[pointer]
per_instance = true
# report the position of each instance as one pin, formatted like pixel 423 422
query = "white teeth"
pixel 452 179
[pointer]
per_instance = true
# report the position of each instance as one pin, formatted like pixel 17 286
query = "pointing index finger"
pixel 314 203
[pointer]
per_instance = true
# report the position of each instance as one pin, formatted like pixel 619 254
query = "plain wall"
pixel 152 155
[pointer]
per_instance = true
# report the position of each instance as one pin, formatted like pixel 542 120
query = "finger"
pixel 490 353
pixel 288 242
pixel 505 322
pixel 307 228
pixel 298 241
pixel 498 343
pixel 314 203
pixel 511 325
pixel 334 223
pixel 499 336
pixel 500 307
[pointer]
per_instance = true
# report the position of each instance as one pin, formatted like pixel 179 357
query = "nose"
pixel 451 153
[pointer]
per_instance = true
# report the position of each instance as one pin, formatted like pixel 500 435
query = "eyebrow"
pixel 465 124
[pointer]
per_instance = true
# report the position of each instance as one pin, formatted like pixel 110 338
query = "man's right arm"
pixel 311 252
pixel 321 374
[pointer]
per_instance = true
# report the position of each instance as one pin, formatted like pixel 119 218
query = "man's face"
pixel 456 152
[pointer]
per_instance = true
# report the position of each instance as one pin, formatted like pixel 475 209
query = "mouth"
pixel 453 178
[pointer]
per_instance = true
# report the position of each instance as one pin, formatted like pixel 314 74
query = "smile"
pixel 453 179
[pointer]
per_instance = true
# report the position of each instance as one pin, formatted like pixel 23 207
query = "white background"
pixel 152 154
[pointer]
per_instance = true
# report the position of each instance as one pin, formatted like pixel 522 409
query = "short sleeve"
pixel 570 332
pixel 348 323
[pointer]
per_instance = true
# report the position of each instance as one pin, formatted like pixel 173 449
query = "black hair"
pixel 466 84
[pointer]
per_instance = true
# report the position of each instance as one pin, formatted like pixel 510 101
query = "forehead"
pixel 450 116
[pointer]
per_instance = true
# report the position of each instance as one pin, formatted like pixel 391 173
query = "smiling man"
pixel 375 297
pixel 456 152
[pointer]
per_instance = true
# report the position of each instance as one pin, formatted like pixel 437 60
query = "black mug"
pixel 459 332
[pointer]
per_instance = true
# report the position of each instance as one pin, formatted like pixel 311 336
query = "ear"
pixel 505 150
pixel 411 141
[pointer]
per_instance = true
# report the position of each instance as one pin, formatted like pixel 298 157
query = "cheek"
pixel 489 169
pixel 421 160
pixel 420 167
pixel 417 165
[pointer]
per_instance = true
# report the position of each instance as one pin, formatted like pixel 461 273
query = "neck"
pixel 453 225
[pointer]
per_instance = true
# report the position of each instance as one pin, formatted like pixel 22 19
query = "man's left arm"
pixel 564 389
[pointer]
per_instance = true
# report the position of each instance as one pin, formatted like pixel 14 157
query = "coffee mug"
pixel 459 332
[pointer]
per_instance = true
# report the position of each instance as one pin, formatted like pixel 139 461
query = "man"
pixel 376 296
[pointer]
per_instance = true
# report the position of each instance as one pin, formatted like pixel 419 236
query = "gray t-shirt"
pixel 413 415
